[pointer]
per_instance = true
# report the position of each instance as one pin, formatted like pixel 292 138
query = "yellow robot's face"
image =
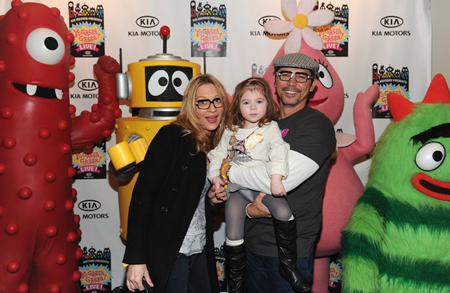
pixel 157 83
pixel 166 83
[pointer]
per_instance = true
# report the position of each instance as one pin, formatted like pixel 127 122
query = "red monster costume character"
pixel 38 230
pixel 343 187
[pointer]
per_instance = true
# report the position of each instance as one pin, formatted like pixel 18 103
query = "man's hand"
pixel 257 209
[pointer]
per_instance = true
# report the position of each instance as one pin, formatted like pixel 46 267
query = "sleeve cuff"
pixel 246 210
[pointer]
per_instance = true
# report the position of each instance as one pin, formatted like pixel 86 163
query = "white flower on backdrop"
pixel 300 20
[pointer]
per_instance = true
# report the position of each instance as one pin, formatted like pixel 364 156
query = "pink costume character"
pixel 343 186
pixel 39 233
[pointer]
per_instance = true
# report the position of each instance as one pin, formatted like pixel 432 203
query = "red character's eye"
pixel 45 46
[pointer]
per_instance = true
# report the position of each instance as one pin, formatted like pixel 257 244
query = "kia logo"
pixel 262 21
pixel 147 21
pixel 391 21
pixel 89 205
pixel 88 84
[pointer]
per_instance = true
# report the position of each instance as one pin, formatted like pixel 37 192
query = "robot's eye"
pixel 325 77
pixel 45 46
pixel 180 81
pixel 430 156
pixel 158 83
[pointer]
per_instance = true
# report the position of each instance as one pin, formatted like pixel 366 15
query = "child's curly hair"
pixel 234 119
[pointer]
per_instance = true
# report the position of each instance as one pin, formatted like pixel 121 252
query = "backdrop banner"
pixel 384 42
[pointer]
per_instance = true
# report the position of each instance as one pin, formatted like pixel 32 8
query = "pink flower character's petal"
pixel 306 6
pixel 279 26
pixel 289 8
pixel 312 39
pixel 293 42
pixel 320 17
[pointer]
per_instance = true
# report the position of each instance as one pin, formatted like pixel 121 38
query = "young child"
pixel 252 137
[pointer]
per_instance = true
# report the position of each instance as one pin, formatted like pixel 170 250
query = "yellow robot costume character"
pixel 155 88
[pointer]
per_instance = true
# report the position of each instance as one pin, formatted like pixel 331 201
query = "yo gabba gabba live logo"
pixel 335 36
pixel 90 165
pixel 390 80
pixel 220 266
pixel 95 269
pixel 335 274
pixel 208 30
pixel 87 25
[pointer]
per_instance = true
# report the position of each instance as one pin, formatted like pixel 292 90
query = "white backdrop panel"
pixel 408 45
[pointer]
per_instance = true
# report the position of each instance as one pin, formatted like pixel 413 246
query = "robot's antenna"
pixel 120 59
pixel 164 31
pixel 204 62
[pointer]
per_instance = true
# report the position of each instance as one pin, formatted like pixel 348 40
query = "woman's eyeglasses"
pixel 205 104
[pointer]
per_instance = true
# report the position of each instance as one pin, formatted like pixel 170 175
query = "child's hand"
pixel 217 181
pixel 276 187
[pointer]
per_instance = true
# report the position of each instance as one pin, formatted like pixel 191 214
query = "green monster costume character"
pixel 398 236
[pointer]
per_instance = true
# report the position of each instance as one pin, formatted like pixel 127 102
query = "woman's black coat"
pixel 163 203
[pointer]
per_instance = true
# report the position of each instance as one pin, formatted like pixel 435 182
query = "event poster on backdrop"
pixel 208 30
pixel 335 36
pixel 95 268
pixel 90 164
pixel 384 42
pixel 86 24
pixel 390 80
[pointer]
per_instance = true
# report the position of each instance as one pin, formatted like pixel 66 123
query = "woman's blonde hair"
pixel 188 118
pixel 234 116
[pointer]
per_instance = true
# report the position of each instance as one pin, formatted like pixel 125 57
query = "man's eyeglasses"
pixel 300 77
pixel 205 104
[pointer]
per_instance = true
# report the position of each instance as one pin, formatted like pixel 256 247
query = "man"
pixel 312 140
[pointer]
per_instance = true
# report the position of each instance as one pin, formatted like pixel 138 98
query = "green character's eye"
pixel 430 156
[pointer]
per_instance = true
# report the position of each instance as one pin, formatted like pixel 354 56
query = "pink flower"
pixel 301 18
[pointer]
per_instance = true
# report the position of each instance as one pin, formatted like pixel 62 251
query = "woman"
pixel 170 223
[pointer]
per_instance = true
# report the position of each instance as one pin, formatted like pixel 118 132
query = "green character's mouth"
pixel 434 188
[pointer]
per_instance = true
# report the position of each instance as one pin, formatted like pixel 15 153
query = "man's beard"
pixel 295 102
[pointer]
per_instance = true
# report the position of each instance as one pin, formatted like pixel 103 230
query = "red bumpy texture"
pixel 38 230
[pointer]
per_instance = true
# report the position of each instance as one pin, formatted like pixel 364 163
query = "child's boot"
pixel 235 267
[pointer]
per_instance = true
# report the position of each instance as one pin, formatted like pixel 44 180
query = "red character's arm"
pixel 90 127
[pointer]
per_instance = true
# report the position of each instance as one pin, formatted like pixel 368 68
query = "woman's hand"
pixel 257 209
pixel 135 274
pixel 217 195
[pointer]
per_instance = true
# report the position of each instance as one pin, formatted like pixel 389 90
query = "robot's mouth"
pixel 434 188
pixel 39 91
pixel 316 102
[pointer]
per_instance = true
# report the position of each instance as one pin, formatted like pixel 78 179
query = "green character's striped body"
pixel 398 236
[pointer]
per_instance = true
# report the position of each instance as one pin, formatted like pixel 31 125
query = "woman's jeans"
pixel 189 274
